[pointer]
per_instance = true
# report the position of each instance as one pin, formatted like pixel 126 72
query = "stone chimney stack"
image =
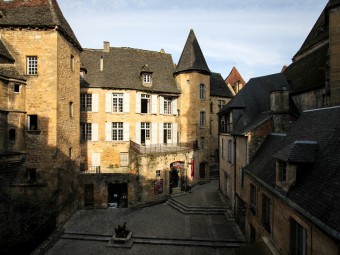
pixel 106 46
pixel 279 109
pixel 334 52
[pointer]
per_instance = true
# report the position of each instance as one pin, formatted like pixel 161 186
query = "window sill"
pixel 31 75
pixel 33 132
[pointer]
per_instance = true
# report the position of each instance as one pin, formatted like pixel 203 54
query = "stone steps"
pixel 158 240
pixel 203 210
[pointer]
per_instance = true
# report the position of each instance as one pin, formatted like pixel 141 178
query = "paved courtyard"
pixel 194 223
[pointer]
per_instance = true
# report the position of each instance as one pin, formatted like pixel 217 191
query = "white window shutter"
pixel 95 102
pixel 153 133
pixel 94 130
pixel 108 102
pixel 108 131
pixel 161 133
pixel 138 138
pixel 138 102
pixel 174 106
pixel 154 104
pixel 126 131
pixel 174 133
pixel 161 105
pixel 126 102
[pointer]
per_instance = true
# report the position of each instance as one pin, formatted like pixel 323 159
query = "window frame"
pixel 86 131
pixel 32 65
pixel 266 213
pixel 202 93
pixel 203 119
pixel 167 105
pixel 17 88
pixel 86 102
pixel 298 238
pixel 32 122
pixel 146 126
pixel 117 131
pixel 253 198
pixel 145 99
pixel 168 127
pixel 117 102
pixel 147 79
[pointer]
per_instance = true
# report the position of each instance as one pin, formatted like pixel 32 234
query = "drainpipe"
pixel 234 174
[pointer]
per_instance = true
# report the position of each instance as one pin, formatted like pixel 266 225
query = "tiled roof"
pixel 122 68
pixel 298 152
pixel 317 195
pixel 36 14
pixel 234 77
pixel 7 67
pixel 192 58
pixel 218 87
pixel 254 98
pixel 308 73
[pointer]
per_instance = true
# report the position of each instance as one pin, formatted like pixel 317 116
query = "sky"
pixel 258 37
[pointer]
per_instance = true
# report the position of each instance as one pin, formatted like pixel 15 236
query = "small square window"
pixel 158 173
pixel 31 174
pixel 11 134
pixel 17 88
pixel 32 122
pixel 146 78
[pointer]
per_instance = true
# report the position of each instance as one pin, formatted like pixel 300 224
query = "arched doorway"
pixel 177 175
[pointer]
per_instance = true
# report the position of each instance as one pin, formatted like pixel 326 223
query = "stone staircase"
pixel 205 210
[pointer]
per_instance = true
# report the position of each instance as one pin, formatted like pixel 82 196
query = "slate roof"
pixel 36 14
pixel 298 152
pixel 192 58
pixel 5 55
pixel 307 73
pixel 218 88
pixel 123 67
pixel 254 98
pixel 317 196
pixel 234 76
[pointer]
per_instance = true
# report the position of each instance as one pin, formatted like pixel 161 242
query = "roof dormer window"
pixel 146 78
pixel 146 75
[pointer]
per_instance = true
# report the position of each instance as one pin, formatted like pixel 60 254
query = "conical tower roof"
pixel 192 58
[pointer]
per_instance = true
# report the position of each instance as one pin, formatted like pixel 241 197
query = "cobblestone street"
pixel 190 223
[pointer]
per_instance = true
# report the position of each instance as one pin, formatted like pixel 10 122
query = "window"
pixel 32 65
pixel 230 151
pixel 211 107
pixel 86 131
pixel 253 199
pixel 32 122
pixel 252 237
pixel 31 174
pixel 188 81
pixel 282 171
pixel 70 152
pixel 117 102
pixel 146 78
pixel 202 91
pixel 202 143
pixel 298 239
pixel 266 213
pixel 202 119
pixel 16 88
pixel 221 103
pixel 167 106
pixel 117 131
pixel 71 109
pixel 145 103
pixel 223 125
pixel 223 149
pixel 11 134
pixel 167 132
pixel 85 102
pixel 145 132
pixel 158 173
pixel 72 63
pixel 229 123
pixel 124 159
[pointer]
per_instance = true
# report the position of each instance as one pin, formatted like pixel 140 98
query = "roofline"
pixel 150 91
pixel 322 109
pixel 328 229
pixel 201 71
pixel 310 50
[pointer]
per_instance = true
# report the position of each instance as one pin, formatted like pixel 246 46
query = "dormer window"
pixel 282 171
pixel 146 78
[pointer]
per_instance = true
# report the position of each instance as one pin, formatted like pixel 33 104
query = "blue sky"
pixel 258 37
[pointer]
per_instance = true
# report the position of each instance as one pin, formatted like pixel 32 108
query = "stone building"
pixel 144 132
pixel 39 114
pixel 287 182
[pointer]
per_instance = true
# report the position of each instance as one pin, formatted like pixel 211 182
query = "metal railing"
pixel 163 148
pixel 92 170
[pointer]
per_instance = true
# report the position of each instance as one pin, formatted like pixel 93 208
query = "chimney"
pixel 334 52
pixel 106 46
pixel 279 109
pixel 101 64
